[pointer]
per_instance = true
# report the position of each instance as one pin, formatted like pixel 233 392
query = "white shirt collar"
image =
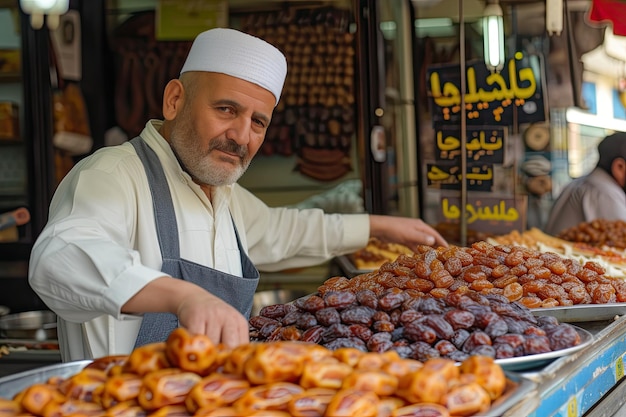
pixel 157 142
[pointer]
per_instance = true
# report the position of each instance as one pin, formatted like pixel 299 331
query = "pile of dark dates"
pixel 416 326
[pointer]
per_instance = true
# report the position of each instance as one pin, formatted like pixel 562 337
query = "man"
pixel 155 233
pixel 599 195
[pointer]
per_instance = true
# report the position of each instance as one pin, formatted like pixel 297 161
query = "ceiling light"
pixel 554 16
pixel 493 35
pixel 38 8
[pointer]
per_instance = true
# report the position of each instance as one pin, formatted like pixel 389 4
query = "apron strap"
pixel 164 214
pixel 237 291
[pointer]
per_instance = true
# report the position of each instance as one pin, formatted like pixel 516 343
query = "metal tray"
pixel 12 384
pixel 565 314
pixel 348 268
pixel 583 312
pixel 541 359
pixel 36 325
pixel 518 387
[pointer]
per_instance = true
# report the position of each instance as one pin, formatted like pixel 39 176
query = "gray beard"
pixel 197 163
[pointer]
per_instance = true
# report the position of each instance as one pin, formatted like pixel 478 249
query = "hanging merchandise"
pixel 143 66
pixel 71 125
pixel 314 120
pixel 537 136
pixel 536 168
pixel 67 46
pixel 72 134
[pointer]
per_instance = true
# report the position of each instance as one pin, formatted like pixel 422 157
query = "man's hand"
pixel 207 314
pixel 405 230
pixel 198 310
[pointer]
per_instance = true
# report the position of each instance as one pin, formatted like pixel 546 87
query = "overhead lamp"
pixel 51 8
pixel 554 17
pixel 493 35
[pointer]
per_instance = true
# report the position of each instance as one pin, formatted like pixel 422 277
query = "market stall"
pixel 400 314
pixel 586 380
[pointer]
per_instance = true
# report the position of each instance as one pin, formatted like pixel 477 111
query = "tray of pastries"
pixel 371 257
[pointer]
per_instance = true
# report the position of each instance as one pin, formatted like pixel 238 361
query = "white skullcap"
pixel 240 55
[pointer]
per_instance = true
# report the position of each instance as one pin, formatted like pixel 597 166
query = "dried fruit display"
pixel 533 278
pixel 612 258
pixel 315 118
pixel 415 326
pixel 598 233
pixel 190 376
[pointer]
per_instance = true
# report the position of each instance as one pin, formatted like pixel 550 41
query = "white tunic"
pixel 100 248
pixel 595 196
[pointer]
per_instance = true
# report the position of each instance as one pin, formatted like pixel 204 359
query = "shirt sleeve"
pixel 281 238
pixel 82 264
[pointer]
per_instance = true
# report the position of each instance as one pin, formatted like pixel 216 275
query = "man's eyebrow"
pixel 236 105
pixel 262 117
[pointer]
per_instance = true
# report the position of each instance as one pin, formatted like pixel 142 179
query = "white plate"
pixel 529 362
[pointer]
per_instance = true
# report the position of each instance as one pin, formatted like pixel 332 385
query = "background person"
pixel 598 195
pixel 155 233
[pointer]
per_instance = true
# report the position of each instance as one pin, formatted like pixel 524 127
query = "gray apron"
pixel 236 291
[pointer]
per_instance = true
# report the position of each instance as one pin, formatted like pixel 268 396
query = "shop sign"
pixel 182 20
pixel 484 144
pixel 447 176
pixel 492 214
pixel 490 98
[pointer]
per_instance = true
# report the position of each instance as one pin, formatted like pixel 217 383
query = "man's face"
pixel 220 127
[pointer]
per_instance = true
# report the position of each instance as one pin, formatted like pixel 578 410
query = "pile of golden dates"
pixel 599 232
pixel 533 278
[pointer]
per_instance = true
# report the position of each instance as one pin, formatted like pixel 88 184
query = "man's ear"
pixel 172 99
pixel 618 170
